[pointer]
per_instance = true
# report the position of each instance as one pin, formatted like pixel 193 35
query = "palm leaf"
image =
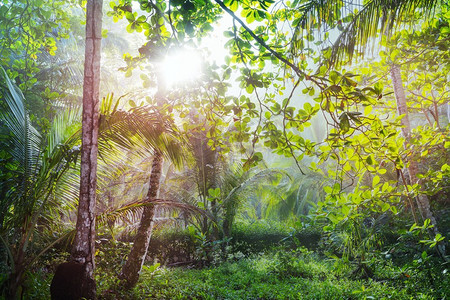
pixel 59 171
pixel 251 181
pixel 25 138
pixel 42 163
pixel 140 126
pixel 367 20
pixel 376 16
pixel 130 212
pixel 24 145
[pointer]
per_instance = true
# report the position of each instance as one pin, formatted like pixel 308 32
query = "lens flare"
pixel 182 67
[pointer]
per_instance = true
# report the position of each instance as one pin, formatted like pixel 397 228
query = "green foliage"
pixel 36 184
pixel 438 238
pixel 172 247
pixel 365 147
pixel 276 275
pixel 288 199
pixel 357 187
pixel 25 33
pixel 279 274
pixel 111 255
pixel 37 285
pixel 262 236
pixel 175 247
pixel 424 271
pixel 164 24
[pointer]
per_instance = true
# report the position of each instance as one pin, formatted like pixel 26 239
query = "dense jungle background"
pixel 247 149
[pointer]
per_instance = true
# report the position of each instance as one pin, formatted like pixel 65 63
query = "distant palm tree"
pixel 292 197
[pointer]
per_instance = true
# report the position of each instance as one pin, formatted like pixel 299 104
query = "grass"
pixel 276 275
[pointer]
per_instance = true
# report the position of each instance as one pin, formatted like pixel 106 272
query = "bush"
pixel 181 247
pixel 171 248
pixel 262 236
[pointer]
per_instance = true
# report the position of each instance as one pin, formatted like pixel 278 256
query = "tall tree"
pixel 422 200
pixel 83 251
pixel 136 258
pixel 132 268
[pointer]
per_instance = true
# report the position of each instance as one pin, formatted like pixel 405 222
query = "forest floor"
pixel 285 274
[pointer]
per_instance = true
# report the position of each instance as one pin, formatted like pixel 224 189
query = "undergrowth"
pixel 278 274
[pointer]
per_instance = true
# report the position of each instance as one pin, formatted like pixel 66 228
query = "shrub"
pixel 180 247
pixel 262 236
pixel 171 247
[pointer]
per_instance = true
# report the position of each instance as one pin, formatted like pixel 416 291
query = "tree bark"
pixel 83 250
pixel 131 269
pixel 402 109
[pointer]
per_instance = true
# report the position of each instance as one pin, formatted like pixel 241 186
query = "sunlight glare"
pixel 182 67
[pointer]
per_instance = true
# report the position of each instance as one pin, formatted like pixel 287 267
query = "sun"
pixel 183 66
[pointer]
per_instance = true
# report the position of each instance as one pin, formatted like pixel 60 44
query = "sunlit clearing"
pixel 182 67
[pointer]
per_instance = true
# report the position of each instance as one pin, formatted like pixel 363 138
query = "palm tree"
pixel 292 197
pixel 144 125
pixel 206 169
pixel 422 199
pixel 136 258
pixel 34 180
pixel 45 175
pixel 238 186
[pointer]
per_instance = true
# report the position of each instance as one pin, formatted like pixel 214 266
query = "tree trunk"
pixel 15 281
pixel 83 250
pixel 131 269
pixel 402 108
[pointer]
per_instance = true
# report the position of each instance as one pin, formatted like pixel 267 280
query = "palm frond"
pixel 140 126
pixel 59 170
pixel 26 140
pixel 24 145
pixel 272 199
pixel 376 17
pixel 252 180
pixel 206 161
pixel 366 21
pixel 314 14
pixel 41 165
pixel 130 212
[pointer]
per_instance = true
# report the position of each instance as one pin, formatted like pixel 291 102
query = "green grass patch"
pixel 276 275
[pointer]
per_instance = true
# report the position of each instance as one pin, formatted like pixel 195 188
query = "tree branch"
pixel 267 47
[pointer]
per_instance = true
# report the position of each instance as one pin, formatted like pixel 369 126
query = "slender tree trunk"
pixel 136 258
pixel 226 227
pixel 132 268
pixel 16 278
pixel 402 108
pixel 83 251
